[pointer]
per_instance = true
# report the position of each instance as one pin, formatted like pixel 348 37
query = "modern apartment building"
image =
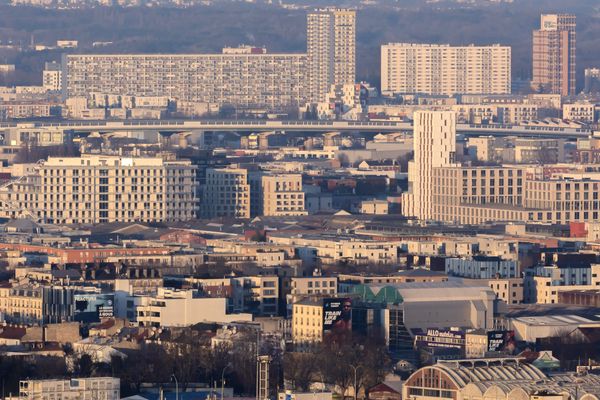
pixel 171 307
pixel 241 79
pixel 96 189
pixel 456 189
pixel 256 294
pixel 276 194
pixel 434 146
pixel 554 55
pixel 52 77
pixel 226 193
pixel 444 69
pixel 476 195
pixel 331 47
pixel 100 388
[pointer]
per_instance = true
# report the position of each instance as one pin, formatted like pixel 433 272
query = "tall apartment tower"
pixel 331 47
pixel 554 55
pixel 434 143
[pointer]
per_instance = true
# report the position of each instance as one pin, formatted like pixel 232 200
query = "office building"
pixel 434 146
pixel 99 388
pixel 241 79
pixel 444 69
pixel 331 48
pixel 554 55
pixel 226 193
pixel 95 189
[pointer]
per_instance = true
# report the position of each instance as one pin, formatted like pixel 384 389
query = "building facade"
pixel 434 146
pixel 96 189
pixel 276 194
pixel 273 81
pixel 444 69
pixel 226 193
pixel 100 388
pixel 331 48
pixel 554 55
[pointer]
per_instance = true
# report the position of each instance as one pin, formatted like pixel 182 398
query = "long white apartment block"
pixel 244 80
pixel 444 69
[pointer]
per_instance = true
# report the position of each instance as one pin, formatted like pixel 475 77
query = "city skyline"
pixel 373 203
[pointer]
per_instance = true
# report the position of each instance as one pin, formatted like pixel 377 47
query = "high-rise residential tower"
pixel 331 47
pixel 434 146
pixel 554 55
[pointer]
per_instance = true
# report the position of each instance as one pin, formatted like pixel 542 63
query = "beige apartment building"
pixel 101 388
pixel 444 69
pixel 96 189
pixel 475 195
pixel 581 112
pixel 545 290
pixel 456 188
pixel 309 285
pixel 331 48
pixel 331 249
pixel 509 290
pixel 554 55
pixel 276 194
pixel 226 193
pixel 307 323
pixel 31 304
pixel 244 80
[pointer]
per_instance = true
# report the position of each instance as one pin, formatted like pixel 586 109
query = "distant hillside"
pixel 208 28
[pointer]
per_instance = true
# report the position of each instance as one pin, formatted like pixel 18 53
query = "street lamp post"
pixel 176 386
pixel 355 368
pixel 223 380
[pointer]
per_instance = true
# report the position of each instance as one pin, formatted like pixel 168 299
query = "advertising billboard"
pixel 440 338
pixel 93 307
pixel 503 341
pixel 337 314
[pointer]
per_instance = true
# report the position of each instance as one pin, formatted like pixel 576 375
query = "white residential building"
pixel 244 80
pixel 101 388
pixel 444 69
pixel 331 46
pixel 172 307
pixel 434 146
